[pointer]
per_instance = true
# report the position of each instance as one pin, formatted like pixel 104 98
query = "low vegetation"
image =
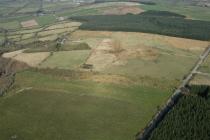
pixel 78 109
pixel 95 85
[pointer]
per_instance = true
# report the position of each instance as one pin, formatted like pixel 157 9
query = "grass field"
pixel 66 59
pixel 45 20
pixel 75 109
pixel 205 67
pixel 10 25
pixel 132 75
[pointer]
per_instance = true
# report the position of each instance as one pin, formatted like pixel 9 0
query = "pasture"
pixel 66 59
pixel 94 85
pixel 69 108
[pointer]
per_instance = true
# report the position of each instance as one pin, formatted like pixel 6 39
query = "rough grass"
pixel 200 80
pixel 10 25
pixel 205 67
pixel 164 62
pixel 59 109
pixel 66 59
pixel 45 20
pixel 52 48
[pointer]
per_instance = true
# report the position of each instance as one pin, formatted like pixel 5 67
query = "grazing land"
pixel 97 70
pixel 68 108
pixel 66 59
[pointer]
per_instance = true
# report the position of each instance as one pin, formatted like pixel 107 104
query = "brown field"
pixel 64 25
pixel 101 56
pixel 114 79
pixel 123 10
pixel 31 59
pixel 200 80
pixel 12 54
pixel 135 40
pixel 29 23
pixel 49 38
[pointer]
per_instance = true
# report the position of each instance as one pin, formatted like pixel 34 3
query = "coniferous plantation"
pixel 158 22
pixel 188 120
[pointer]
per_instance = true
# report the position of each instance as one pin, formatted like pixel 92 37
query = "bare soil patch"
pixel 31 59
pixel 12 54
pixel 123 10
pixel 101 56
pixel 64 25
pixel 114 79
pixel 200 80
pixel 29 23
pixel 109 52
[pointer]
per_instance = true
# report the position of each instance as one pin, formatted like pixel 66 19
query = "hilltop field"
pixel 93 82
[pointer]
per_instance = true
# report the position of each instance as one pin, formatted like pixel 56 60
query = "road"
pixel 144 135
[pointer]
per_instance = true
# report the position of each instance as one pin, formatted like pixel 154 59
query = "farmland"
pixel 75 107
pixel 96 70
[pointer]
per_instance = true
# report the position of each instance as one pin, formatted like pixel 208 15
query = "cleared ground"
pixel 29 23
pixel 200 80
pixel 32 59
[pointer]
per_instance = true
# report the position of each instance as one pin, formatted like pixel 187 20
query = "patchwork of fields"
pixel 96 77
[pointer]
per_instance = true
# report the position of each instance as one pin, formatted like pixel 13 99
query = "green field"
pixel 66 59
pixel 73 109
pixel 60 99
pixel 10 25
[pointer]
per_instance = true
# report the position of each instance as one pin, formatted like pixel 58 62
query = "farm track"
pixel 144 135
